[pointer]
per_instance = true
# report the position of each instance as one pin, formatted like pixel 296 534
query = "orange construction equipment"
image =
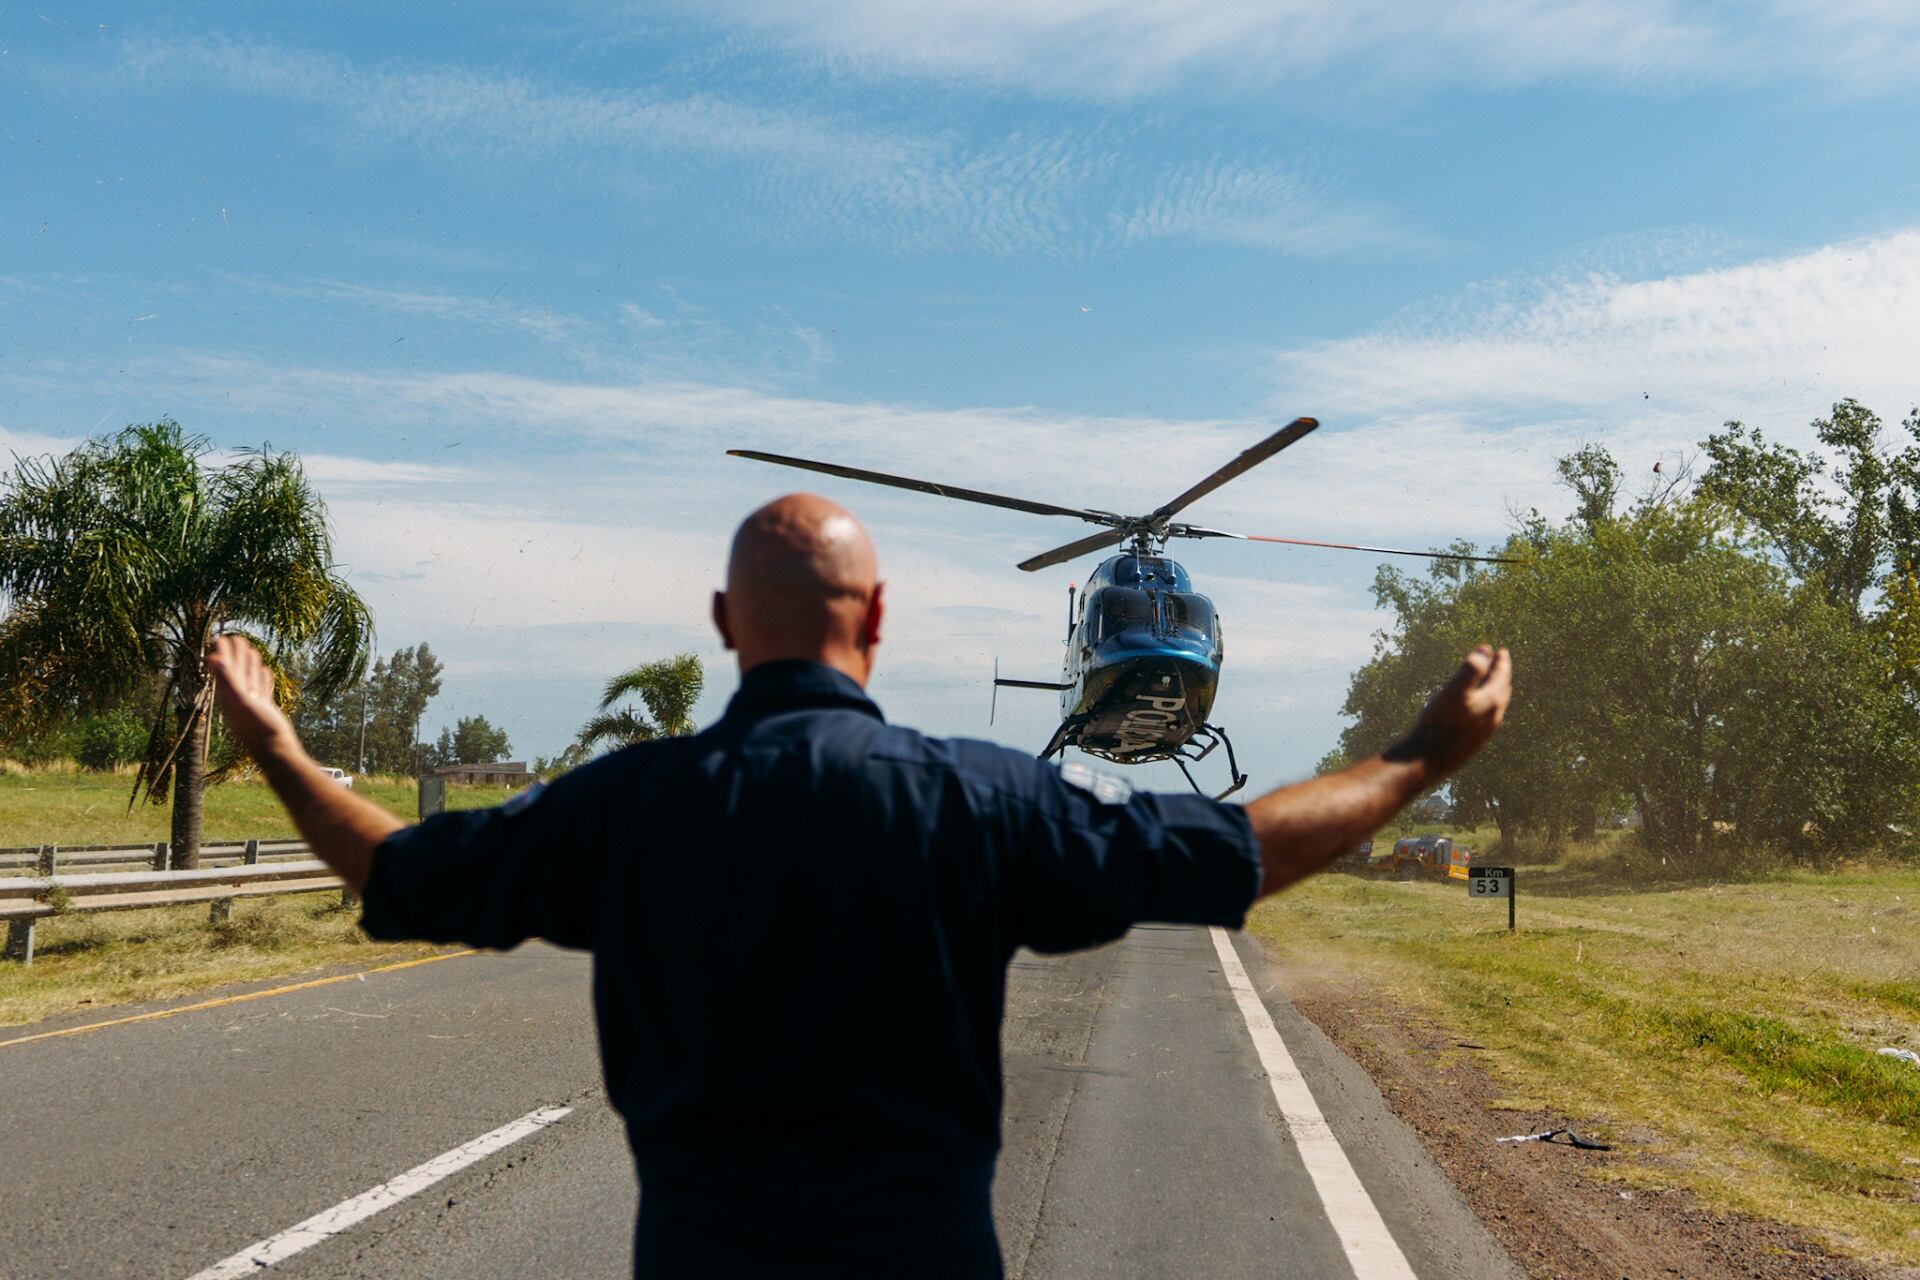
pixel 1434 856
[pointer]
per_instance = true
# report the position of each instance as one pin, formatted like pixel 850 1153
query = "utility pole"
pixel 360 762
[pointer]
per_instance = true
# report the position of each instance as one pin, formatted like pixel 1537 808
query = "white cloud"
pixel 1114 49
pixel 1275 209
pixel 442 252
pixel 785 173
pixel 433 304
pixel 479 112
pixel 30 444
pixel 639 318
pixel 1357 479
pixel 335 470
pixel 1655 363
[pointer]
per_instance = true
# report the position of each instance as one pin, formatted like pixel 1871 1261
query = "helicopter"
pixel 1144 649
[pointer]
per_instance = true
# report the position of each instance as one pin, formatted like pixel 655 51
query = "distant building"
pixel 506 773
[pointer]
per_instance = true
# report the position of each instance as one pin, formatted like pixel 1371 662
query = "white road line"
pixel 1369 1246
pixel 331 1222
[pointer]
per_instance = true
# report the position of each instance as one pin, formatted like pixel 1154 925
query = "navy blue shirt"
pixel 801 921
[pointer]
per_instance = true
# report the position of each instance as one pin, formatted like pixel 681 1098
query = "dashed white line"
pixel 1369 1246
pixel 331 1222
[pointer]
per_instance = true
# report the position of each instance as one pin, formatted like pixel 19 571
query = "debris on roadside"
pixel 1548 1135
pixel 1905 1055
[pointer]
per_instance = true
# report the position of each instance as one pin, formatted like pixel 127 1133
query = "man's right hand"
pixel 1304 826
pixel 1463 715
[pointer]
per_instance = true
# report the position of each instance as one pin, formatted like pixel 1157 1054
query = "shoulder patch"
pixel 1107 788
pixel 518 802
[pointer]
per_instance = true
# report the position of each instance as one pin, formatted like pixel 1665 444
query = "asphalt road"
pixel 1143 1138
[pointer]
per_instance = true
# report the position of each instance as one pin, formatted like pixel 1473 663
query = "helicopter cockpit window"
pixel 1190 617
pixel 1122 609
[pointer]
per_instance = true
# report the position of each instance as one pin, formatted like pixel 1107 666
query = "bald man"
pixel 802 917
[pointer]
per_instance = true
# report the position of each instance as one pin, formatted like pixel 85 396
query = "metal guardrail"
pixel 26 900
pixel 48 859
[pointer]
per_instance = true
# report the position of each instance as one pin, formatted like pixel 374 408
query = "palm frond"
pixel 668 688
pixel 615 729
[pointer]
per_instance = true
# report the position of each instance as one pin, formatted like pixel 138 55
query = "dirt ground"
pixel 1551 1206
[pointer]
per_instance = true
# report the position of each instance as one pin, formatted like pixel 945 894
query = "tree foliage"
pixel 472 741
pixel 119 564
pixel 373 725
pixel 1715 660
pixel 1840 524
pixel 109 739
pixel 666 691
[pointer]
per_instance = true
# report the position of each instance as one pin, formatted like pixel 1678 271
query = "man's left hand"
pixel 245 688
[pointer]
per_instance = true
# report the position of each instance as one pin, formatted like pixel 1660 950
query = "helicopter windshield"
pixel 1123 609
pixel 1190 617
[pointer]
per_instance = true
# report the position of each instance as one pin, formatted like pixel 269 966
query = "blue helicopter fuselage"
pixel 1143 660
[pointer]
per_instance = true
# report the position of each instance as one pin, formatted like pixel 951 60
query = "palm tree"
pixel 119 564
pixel 667 688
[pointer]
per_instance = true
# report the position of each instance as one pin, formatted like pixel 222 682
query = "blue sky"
pixel 512 278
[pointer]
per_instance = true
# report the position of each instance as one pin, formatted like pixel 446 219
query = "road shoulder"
pixel 80 1021
pixel 1436 1228
pixel 1551 1207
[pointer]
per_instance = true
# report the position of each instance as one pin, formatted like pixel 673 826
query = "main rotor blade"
pixel 1193 531
pixel 1247 461
pixel 1074 550
pixel 924 486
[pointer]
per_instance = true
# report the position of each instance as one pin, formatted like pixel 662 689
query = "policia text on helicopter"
pixel 868 885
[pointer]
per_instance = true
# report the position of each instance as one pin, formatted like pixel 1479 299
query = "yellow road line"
pixel 239 999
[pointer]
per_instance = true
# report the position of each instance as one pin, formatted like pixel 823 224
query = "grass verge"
pixel 120 957
pixel 72 807
pixel 99 959
pixel 1725 1033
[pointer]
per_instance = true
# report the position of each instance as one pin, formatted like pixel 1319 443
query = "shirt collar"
pixel 773 687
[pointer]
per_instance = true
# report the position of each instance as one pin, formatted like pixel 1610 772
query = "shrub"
pixel 108 740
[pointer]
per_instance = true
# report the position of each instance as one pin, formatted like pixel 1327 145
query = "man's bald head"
pixel 802 583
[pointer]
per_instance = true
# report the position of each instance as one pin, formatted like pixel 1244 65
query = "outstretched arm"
pixel 340 827
pixel 1303 827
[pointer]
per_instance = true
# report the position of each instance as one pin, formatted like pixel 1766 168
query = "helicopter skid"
pixel 1192 751
pixel 1214 736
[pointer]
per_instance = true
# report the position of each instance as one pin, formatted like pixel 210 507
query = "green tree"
pixel 109 739
pixel 667 689
pixel 1664 657
pixel 549 767
pixel 398 691
pixel 126 557
pixel 1594 477
pixel 472 741
pixel 328 721
pixel 1843 523
pixel 1532 780
pixel 1900 621
pixel 373 724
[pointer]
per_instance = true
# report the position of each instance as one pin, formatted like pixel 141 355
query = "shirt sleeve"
pixel 1090 864
pixel 492 877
